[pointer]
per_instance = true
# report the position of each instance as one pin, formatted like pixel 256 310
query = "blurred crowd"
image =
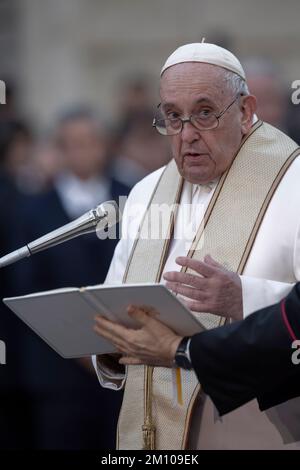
pixel 47 180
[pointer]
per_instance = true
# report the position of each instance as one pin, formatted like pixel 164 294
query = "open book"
pixel 64 318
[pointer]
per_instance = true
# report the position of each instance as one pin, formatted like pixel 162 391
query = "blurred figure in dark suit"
pixel 15 417
pixel 69 411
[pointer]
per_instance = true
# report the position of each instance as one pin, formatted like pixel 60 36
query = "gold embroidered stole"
pixel 149 419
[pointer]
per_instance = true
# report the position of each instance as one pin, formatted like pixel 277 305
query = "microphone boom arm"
pixel 103 216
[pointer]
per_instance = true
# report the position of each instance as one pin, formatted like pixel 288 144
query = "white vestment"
pixel 272 268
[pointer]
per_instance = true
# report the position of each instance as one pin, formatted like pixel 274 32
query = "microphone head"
pixel 107 215
pixel 108 212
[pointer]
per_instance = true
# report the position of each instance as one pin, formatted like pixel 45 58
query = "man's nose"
pixel 189 132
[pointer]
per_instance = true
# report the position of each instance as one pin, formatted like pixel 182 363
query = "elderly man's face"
pixel 190 88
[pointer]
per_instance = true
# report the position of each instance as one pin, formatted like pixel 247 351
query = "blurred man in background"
pixel 139 150
pixel 65 404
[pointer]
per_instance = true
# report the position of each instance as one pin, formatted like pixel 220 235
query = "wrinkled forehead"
pixel 192 77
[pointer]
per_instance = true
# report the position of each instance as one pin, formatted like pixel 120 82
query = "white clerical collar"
pixel 207 188
pixel 78 196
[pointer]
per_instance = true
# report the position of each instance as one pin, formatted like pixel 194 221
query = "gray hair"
pixel 235 83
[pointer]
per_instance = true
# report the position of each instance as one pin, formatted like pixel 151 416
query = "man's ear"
pixel 248 107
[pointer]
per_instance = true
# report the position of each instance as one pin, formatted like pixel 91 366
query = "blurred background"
pixel 81 92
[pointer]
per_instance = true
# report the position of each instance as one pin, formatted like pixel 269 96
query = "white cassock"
pixel 273 266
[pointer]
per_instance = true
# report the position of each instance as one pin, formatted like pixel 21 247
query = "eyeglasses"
pixel 204 121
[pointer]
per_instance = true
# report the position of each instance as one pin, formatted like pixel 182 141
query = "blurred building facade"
pixel 62 49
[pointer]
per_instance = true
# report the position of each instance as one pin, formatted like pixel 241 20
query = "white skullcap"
pixel 206 53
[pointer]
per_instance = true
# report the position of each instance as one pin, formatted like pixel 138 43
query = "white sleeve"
pixel 259 293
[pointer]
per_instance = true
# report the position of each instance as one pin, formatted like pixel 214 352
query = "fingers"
pixel 139 315
pixel 203 307
pixel 190 292
pixel 195 306
pixel 121 344
pixel 119 335
pixel 126 340
pixel 186 278
pixel 110 327
pixel 209 260
pixel 151 327
pixel 199 267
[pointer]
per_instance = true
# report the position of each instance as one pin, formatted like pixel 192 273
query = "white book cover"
pixel 64 318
